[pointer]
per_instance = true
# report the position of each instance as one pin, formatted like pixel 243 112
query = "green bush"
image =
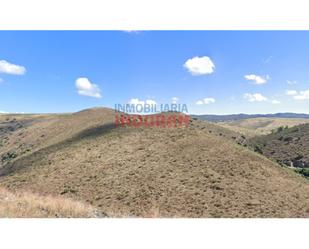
pixel 304 172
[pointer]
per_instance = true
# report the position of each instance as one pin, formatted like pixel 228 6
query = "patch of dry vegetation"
pixel 261 126
pixel 28 205
pixel 287 146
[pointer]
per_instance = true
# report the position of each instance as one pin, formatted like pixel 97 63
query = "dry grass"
pixel 28 205
pixel 128 172
pixel 261 126
pixel 288 146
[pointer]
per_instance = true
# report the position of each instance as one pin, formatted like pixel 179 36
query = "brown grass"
pixel 28 205
pixel 261 126
pixel 288 147
pixel 128 172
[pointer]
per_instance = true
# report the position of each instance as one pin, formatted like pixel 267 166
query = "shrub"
pixel 304 172
pixel 258 149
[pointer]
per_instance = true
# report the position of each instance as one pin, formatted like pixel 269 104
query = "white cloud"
pixel 137 101
pixel 3 112
pixel 205 101
pixel 86 88
pixel 200 65
pixel 291 82
pixel 209 100
pixel 143 106
pixel 175 100
pixel 258 80
pixel 254 97
pixel 150 102
pixel 132 31
pixel 291 92
pixel 302 95
pixel 9 68
pixel 275 102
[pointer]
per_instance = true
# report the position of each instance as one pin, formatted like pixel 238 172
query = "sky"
pixel 212 72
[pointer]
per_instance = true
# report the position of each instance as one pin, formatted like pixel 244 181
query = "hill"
pixel 261 126
pixel 287 146
pixel 241 116
pixel 197 171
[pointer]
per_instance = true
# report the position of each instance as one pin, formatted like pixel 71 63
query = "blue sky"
pixel 217 72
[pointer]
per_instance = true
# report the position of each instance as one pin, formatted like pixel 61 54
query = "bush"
pixel 299 157
pixel 288 139
pixel 258 149
pixel 304 172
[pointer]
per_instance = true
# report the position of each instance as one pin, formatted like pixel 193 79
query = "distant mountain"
pixel 234 117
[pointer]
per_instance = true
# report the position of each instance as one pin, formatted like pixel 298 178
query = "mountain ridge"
pixel 240 116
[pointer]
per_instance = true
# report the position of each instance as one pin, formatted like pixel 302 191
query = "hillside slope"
pixel 286 146
pixel 22 135
pixel 28 205
pixel 261 126
pixel 151 172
